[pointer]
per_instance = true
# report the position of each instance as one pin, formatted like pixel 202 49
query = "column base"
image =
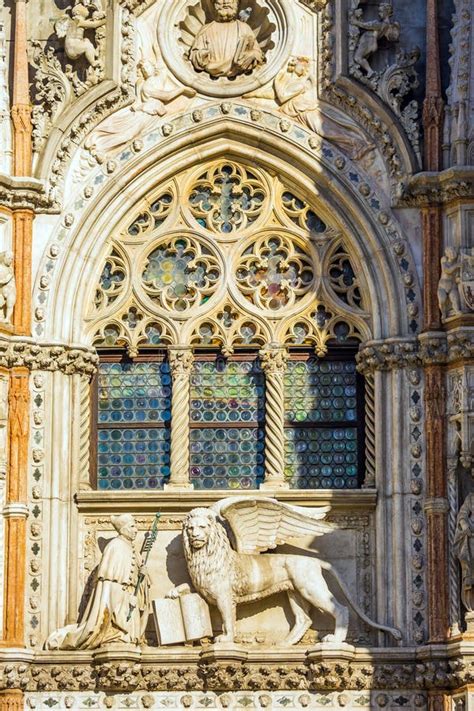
pixel 274 485
pixel 179 486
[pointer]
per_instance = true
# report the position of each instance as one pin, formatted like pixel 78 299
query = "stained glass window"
pixel 133 415
pixel 323 434
pixel 227 430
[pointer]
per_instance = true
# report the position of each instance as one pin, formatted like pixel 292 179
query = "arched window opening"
pixel 226 266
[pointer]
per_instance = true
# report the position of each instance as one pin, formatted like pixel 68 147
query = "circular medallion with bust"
pixel 231 41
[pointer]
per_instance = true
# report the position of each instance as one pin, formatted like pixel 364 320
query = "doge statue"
pixel 225 576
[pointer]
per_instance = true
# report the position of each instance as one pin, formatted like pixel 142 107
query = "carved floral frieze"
pixel 208 670
pixel 35 356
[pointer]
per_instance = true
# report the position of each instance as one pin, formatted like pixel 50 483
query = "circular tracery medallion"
pixel 225 48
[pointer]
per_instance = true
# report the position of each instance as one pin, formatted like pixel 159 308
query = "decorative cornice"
pixel 335 668
pixel 430 348
pixel 15 353
pixel 428 189
pixel 389 354
pixel 25 194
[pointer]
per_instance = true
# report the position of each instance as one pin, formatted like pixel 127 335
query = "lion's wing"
pixel 260 524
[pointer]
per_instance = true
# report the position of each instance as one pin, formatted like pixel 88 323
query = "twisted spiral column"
pixel 369 480
pixel 181 363
pixel 453 561
pixel 274 360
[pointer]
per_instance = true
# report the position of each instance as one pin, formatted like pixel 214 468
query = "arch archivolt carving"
pixel 109 202
pixel 227 256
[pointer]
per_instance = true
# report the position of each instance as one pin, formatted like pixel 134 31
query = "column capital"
pixel 274 358
pixel 181 359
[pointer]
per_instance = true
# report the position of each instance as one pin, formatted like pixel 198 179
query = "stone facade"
pixel 268 182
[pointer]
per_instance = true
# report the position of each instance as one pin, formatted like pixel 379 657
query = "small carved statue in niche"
pixel 448 287
pixel 226 577
pixel 115 614
pixel 153 98
pixel 294 89
pixel 73 30
pixel 7 287
pixel 226 46
pixel 374 31
pixel 464 550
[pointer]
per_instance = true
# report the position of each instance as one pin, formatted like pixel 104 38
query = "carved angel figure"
pixel 294 89
pixel 448 287
pixel 114 614
pixel 153 97
pixel 226 45
pixel 7 287
pixel 73 30
pixel 226 577
pixel 374 31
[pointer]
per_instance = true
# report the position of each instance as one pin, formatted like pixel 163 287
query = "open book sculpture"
pixel 225 576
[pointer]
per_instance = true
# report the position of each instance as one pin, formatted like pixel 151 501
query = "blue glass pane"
pixel 320 391
pixel 133 458
pixel 317 458
pixel 134 392
pixel 227 393
pixel 230 458
pixel 230 392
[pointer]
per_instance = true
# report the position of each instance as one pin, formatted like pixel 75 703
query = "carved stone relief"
pixel 464 550
pixel 73 28
pixel 225 47
pixel 456 285
pixel 7 287
pixel 391 80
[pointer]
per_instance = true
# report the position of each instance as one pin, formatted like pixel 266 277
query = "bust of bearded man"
pixel 226 46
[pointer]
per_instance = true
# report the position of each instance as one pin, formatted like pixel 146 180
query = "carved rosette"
pixel 274 360
pixel 181 364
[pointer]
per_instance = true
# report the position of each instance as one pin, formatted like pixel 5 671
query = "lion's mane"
pixel 215 560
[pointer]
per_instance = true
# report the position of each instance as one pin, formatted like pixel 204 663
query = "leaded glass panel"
pixel 134 409
pixel 322 422
pixel 227 413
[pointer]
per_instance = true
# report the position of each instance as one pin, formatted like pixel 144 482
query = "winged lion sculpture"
pixel 226 576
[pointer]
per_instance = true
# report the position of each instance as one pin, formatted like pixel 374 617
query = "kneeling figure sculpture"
pixel 226 577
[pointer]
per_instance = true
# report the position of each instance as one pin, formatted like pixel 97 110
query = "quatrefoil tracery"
pixel 227 256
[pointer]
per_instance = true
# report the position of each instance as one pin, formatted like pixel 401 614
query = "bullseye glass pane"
pixel 228 397
pixel 134 393
pixel 227 458
pixel 321 435
pixel 227 392
pixel 133 441
pixel 317 458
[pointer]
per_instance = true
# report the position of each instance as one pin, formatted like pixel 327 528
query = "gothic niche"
pixel 226 38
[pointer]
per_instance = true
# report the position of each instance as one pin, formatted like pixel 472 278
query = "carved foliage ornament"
pixel 200 265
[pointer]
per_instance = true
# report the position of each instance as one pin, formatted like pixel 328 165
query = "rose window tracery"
pixel 227 198
pixel 181 274
pixel 274 272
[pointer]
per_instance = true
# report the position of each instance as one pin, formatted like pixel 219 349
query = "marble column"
pixel 181 364
pixel 274 359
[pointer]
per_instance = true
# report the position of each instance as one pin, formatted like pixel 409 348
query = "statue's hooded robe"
pixel 105 618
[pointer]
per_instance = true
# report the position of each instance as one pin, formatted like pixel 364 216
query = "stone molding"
pixel 18 193
pixel 15 510
pixel 324 667
pixel 428 188
pixel 69 360
pixel 388 354
pixel 430 348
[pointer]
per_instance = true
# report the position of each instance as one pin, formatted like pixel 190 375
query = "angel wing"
pixel 61 27
pixel 260 524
